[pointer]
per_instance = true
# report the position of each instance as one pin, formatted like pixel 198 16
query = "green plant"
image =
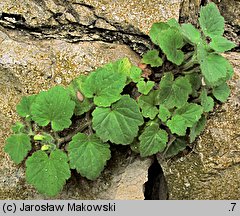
pixel 73 127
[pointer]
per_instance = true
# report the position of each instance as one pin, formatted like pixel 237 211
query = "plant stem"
pixel 190 63
pixel 69 136
pixel 88 118
pixel 29 126
pixel 171 140
pixel 188 55
pixel 194 70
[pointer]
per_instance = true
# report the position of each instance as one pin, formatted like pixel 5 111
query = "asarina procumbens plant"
pixel 121 104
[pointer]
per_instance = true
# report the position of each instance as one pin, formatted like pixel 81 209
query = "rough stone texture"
pixel 231 11
pixel 212 170
pixel 140 14
pixel 189 11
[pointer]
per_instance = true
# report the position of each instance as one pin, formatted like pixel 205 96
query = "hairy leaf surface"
pixel 118 123
pixel 106 84
pixel 145 87
pixel 18 146
pixel 152 58
pixel 23 107
pixel 147 103
pixel 48 173
pixel 221 44
pixel 222 92
pixel 171 42
pixel 152 140
pixel 211 21
pixel 174 92
pixel 88 155
pixel 53 106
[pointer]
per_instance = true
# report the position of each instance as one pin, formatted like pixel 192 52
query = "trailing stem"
pixel 69 136
pixel 190 63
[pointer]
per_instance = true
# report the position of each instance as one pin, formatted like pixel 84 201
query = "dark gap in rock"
pixel 16 17
pixel 156 186
pixel 203 2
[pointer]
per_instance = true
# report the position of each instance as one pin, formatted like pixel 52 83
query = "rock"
pixel 212 170
pixel 139 14
pixel 230 10
pixel 189 11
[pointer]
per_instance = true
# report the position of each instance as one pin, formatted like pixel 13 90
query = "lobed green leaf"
pixel 135 74
pixel 191 112
pixel 184 117
pixel 211 21
pixel 118 123
pixel 48 173
pixel 221 92
pixel 152 58
pixel 171 42
pixel 214 69
pixel 164 113
pixel 145 87
pixel 177 125
pixel 147 103
pixel 106 84
pixel 53 106
pixel 18 146
pixel 88 155
pixel 156 30
pixel 221 44
pixel 152 140
pixel 24 106
pixel 174 92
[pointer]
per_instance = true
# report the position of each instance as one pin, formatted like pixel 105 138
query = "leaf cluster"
pixel 117 104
